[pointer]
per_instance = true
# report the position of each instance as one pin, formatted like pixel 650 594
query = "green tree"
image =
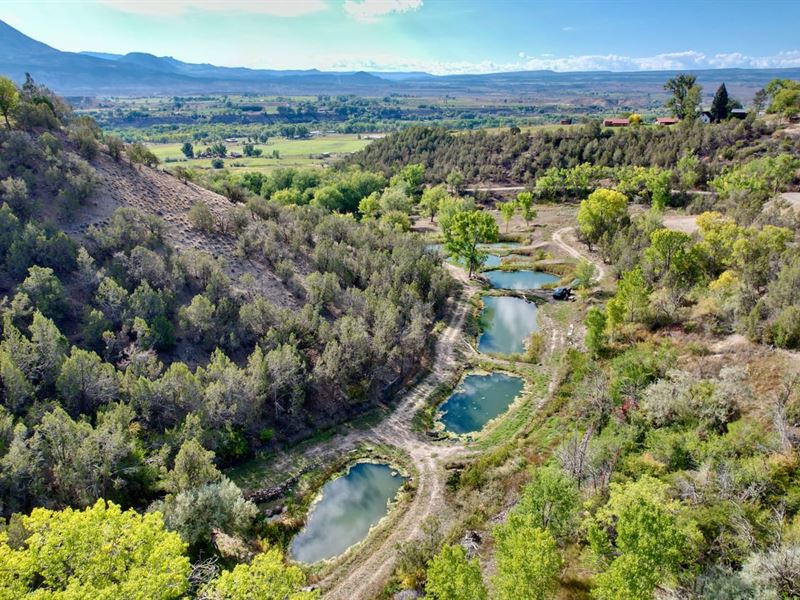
pixel 431 201
pixel 585 273
pixel 464 232
pixel 685 101
pixel 652 539
pixel 188 150
pixel 507 211
pixel 194 466
pixel 550 500
pixel 455 181
pixel 595 330
pixel 688 168
pixel 452 577
pixel 719 106
pixel 44 289
pixel 265 578
pixel 85 382
pixel 528 561
pixel 602 213
pixel 525 202
pixel 370 206
pixel 411 176
pixel 9 98
pixel 99 552
pixel 330 198
pixel 631 302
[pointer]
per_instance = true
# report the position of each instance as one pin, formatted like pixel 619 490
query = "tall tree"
pixel 266 578
pixel 685 101
pixel 464 232
pixel 9 98
pixel 719 106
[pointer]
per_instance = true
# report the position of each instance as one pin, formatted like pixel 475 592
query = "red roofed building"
pixel 667 120
pixel 615 123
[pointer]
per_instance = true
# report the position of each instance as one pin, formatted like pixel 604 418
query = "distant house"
pixel 565 122
pixel 236 155
pixel 705 117
pixel 615 122
pixel 667 121
pixel 738 113
pixel 230 140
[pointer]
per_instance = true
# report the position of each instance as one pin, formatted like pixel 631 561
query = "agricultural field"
pixel 316 151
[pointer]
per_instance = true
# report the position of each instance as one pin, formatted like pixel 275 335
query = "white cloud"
pixel 370 10
pixel 278 8
pixel 568 28
pixel 670 61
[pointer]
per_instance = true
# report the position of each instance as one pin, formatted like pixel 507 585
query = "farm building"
pixel 615 122
pixel 667 120
pixel 738 113
pixel 705 117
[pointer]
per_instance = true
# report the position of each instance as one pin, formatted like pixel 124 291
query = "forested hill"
pixel 142 314
pixel 511 156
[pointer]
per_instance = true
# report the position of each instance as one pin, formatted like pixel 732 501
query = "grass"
pixel 293 153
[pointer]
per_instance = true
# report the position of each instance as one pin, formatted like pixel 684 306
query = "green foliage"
pixel 630 304
pixel 685 101
pixel 528 561
pixel 45 291
pixel 452 577
pixel 9 98
pixel 652 540
pixel 266 577
pixel 525 203
pixel 464 231
pixel 601 214
pixel 719 105
pixel 100 552
pixel 507 211
pixel 550 502
pixel 140 154
pixel 595 330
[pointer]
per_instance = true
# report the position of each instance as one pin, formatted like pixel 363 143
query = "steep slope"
pixel 163 195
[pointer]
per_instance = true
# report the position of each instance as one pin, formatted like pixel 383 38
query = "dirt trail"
pixel 571 248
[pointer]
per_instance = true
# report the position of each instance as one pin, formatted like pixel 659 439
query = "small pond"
pixel 349 505
pixel 508 322
pixel 520 280
pixel 478 399
pixel 492 260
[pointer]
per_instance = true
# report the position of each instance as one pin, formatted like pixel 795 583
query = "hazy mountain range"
pixel 139 73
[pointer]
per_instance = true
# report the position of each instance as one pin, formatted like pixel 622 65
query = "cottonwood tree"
pixel 266 577
pixel 685 101
pixel 464 232
pixel 100 552
pixel 643 539
pixel 507 211
pixel 601 214
pixel 525 203
pixel 452 577
pixel 528 561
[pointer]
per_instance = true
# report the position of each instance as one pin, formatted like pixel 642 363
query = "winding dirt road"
pixel 571 248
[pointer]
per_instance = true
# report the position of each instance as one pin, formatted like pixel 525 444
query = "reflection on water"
pixel 479 399
pixel 349 506
pixel 508 323
pixel 519 280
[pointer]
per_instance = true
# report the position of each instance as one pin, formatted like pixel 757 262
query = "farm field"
pixel 291 153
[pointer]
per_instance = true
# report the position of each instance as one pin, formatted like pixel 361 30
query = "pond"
pixel 477 400
pixel 520 280
pixel 349 505
pixel 508 322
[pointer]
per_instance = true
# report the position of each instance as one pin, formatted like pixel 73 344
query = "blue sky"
pixel 440 36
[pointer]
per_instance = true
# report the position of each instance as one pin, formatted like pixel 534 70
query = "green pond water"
pixel 519 280
pixel 508 322
pixel 348 507
pixel 477 400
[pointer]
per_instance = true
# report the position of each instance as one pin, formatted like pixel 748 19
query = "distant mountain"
pixel 139 73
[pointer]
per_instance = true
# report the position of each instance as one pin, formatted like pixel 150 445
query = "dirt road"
pixel 571 247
